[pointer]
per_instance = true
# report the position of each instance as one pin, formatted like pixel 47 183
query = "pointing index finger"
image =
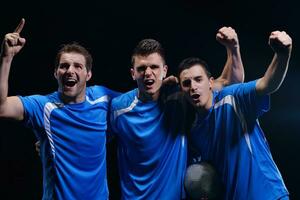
pixel 20 26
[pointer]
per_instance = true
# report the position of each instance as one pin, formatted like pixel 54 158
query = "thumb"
pixel 21 41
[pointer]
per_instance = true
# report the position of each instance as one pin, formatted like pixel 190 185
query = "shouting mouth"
pixel 148 82
pixel 70 82
pixel 195 97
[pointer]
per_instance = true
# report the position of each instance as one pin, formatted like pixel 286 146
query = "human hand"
pixel 228 37
pixel 170 80
pixel 280 42
pixel 13 42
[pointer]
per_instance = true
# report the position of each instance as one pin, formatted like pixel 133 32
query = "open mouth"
pixel 149 82
pixel 70 82
pixel 195 97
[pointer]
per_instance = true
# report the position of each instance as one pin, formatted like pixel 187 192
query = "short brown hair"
pixel 190 62
pixel 146 47
pixel 77 48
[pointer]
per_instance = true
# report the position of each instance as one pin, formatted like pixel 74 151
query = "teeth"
pixel 70 82
pixel 149 82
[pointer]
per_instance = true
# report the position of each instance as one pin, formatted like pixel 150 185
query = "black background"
pixel 110 30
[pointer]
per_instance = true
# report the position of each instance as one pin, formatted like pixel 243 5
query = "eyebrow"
pixel 200 76
pixel 141 66
pixel 63 63
pixel 193 77
pixel 75 63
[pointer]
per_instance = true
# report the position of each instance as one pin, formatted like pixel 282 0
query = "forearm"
pixel 4 74
pixel 234 66
pixel 274 75
pixel 233 71
pixel 10 107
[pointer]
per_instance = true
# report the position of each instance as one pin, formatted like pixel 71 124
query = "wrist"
pixel 6 58
pixel 233 51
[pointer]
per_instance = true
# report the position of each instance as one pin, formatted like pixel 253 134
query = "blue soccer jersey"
pixel 152 157
pixel 230 137
pixel 73 138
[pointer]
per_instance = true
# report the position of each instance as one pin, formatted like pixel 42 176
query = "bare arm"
pixel 10 107
pixel 233 71
pixel 281 43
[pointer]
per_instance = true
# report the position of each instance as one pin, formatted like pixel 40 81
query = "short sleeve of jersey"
pixel 110 123
pixel 120 104
pixel 98 90
pixel 112 119
pixel 111 94
pixel 251 104
pixel 33 111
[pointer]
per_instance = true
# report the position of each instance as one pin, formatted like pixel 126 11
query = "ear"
pixel 165 71
pixel 132 73
pixel 55 73
pixel 211 82
pixel 89 75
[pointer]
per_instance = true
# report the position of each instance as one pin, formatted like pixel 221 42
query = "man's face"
pixel 149 71
pixel 72 75
pixel 197 86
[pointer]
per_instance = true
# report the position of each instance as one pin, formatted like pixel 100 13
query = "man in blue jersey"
pixel 151 155
pixel 226 132
pixel 70 123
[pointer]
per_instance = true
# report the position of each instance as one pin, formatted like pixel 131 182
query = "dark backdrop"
pixel 110 30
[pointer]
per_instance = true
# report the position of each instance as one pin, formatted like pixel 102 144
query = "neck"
pixel 72 99
pixel 145 97
pixel 203 109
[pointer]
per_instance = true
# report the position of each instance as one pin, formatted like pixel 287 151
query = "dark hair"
pixel 192 61
pixel 146 47
pixel 76 48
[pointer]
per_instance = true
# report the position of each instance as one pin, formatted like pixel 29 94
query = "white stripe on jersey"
pixel 101 99
pixel 229 99
pixel 124 110
pixel 49 107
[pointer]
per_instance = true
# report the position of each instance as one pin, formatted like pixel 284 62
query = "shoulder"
pixel 238 87
pixel 52 97
pixel 38 100
pixel 98 91
pixel 124 100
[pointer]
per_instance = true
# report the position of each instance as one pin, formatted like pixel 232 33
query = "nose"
pixel 71 69
pixel 193 85
pixel 148 71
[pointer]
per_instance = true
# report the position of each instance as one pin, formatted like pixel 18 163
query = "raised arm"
pixel 281 43
pixel 10 107
pixel 233 71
